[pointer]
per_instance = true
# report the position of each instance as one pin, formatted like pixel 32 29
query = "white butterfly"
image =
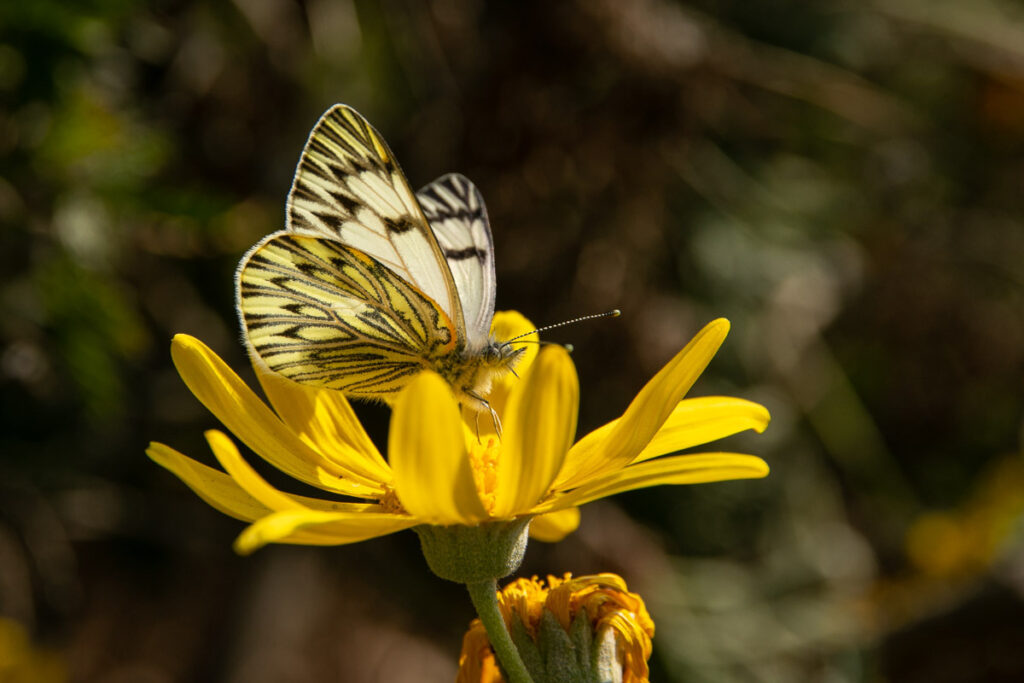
pixel 369 284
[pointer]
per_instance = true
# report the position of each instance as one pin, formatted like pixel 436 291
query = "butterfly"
pixel 369 284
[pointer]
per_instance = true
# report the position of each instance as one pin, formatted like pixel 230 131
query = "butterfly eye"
pixel 493 353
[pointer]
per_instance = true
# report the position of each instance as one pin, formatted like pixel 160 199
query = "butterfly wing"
pixel 457 215
pixel 320 312
pixel 349 187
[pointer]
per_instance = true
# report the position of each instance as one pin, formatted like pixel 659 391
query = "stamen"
pixel 483 460
pixel 389 502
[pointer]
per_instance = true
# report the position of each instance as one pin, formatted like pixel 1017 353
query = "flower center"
pixel 390 503
pixel 483 459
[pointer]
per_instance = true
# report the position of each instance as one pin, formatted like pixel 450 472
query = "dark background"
pixel 844 181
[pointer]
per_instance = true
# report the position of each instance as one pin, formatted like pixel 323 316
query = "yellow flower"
pixel 615 632
pixel 445 468
pixel 22 662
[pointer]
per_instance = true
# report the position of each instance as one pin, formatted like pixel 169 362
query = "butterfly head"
pixel 497 359
pixel 502 355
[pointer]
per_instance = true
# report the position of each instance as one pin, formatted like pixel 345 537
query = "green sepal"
pixel 528 649
pixel 471 554
pixel 582 637
pixel 575 656
pixel 606 664
pixel 560 661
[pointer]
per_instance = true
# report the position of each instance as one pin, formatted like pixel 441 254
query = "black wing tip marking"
pixel 405 224
pixel 464 254
pixel 469 206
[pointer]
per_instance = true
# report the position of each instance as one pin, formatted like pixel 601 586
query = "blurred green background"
pixel 844 181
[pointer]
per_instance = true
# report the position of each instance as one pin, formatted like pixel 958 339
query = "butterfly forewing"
pixel 320 312
pixel 348 187
pixel 456 213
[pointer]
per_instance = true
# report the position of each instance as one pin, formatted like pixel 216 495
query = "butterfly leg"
pixel 495 420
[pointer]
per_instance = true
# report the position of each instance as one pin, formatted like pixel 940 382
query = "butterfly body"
pixel 370 284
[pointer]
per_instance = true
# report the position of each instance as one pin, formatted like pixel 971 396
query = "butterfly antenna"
pixel 607 314
pixel 541 342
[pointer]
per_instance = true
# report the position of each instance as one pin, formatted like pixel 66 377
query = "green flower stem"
pixel 484 595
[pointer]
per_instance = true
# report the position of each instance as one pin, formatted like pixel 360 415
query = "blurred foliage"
pixel 841 180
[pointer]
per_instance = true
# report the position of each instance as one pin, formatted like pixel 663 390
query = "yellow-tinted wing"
pixel 349 187
pixel 320 312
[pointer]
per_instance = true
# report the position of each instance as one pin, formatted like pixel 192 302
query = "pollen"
pixel 483 459
pixel 389 502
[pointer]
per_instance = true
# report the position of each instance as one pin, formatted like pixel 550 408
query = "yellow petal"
pixel 680 469
pixel 539 426
pixel 244 414
pixel 554 526
pixel 697 421
pixel 433 479
pixel 606 450
pixel 214 487
pixel 312 527
pixel 325 420
pixel 245 476
pixel 224 494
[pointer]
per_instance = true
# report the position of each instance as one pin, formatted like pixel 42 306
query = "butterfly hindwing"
pixel 348 187
pixel 457 215
pixel 320 312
